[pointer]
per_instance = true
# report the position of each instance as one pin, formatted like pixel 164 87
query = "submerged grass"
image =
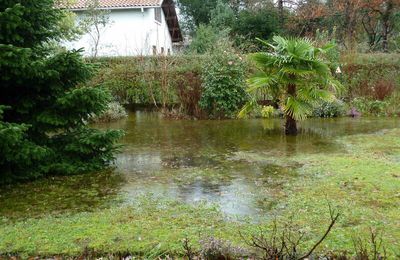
pixel 362 183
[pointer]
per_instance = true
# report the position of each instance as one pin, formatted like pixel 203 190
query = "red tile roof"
pixel 82 4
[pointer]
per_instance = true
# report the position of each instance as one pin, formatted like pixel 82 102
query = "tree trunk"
pixel 280 9
pixel 291 124
pixel 386 15
pixel 385 46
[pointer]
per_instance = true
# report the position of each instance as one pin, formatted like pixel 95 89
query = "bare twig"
pixel 334 217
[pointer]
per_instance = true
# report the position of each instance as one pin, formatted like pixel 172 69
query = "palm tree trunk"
pixel 291 124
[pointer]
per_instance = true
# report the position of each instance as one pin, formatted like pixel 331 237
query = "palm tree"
pixel 295 74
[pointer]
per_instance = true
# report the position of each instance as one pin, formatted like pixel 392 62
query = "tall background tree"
pixel 44 106
pixel 357 25
pixel 196 12
pixel 384 11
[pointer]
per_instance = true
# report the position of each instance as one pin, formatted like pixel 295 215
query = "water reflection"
pixel 232 163
pixel 228 162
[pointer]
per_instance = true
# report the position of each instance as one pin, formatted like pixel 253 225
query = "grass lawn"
pixel 363 184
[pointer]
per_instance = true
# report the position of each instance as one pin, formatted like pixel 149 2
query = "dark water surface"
pixel 243 166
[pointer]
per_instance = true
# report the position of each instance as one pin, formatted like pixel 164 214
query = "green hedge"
pixel 177 80
pixel 374 76
pixel 147 80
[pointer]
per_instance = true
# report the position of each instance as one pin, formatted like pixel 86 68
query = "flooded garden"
pixel 176 179
pixel 245 167
pixel 242 172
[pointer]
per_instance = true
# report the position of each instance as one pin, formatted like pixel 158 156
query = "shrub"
pixel 215 249
pixel 223 77
pixel 205 39
pixel 370 107
pixel 189 93
pixel 383 88
pixel 114 112
pixel 267 111
pixel 393 108
pixel 147 80
pixel 326 109
pixel 372 76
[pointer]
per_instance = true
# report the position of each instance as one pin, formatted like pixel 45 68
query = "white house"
pixel 135 27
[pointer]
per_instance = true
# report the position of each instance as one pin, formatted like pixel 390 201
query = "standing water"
pixel 243 166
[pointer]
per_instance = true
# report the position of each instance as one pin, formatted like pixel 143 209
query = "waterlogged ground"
pixel 198 178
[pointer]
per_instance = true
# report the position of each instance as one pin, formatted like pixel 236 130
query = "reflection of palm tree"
pixel 293 73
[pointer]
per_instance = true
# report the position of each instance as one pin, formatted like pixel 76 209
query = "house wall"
pixel 130 32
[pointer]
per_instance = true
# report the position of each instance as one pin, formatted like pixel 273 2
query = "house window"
pixel 154 50
pixel 157 14
pixel 169 52
pixel 162 50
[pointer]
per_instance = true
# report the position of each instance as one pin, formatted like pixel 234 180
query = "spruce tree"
pixel 44 105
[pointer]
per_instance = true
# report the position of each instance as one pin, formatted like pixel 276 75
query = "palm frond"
pixel 314 95
pixel 297 71
pixel 248 108
pixel 335 85
pixel 260 81
pixel 263 59
pixel 265 43
pixel 296 108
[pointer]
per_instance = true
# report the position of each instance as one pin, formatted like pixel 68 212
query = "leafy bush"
pixel 206 38
pixel 114 112
pixel 370 107
pixel 334 108
pixel 393 107
pixel 267 111
pixel 223 78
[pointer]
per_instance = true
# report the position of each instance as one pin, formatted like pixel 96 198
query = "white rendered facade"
pixel 130 32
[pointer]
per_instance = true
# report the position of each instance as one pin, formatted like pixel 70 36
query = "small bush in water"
pixel 334 108
pixel 370 107
pixel 267 111
pixel 114 112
